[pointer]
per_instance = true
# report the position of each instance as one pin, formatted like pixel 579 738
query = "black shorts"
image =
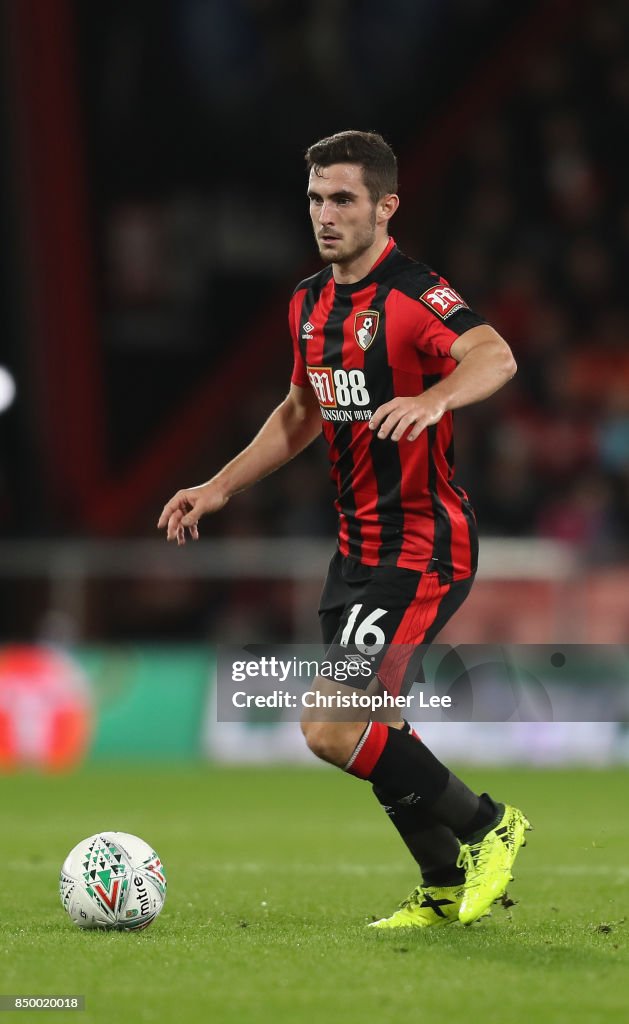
pixel 384 613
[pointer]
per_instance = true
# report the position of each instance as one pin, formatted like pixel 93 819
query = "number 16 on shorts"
pixel 368 637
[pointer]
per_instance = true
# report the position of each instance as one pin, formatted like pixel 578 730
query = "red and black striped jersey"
pixel 359 346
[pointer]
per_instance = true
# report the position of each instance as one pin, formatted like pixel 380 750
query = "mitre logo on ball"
pixel 365 327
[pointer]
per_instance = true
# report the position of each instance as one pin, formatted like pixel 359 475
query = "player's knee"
pixel 329 742
pixel 319 739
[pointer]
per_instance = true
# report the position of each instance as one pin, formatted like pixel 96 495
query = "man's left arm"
pixel 485 363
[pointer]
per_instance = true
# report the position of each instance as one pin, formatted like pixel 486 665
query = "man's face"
pixel 342 213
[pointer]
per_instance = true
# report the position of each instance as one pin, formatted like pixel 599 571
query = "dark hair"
pixel 367 149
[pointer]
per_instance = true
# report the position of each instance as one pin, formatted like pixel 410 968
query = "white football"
pixel 114 881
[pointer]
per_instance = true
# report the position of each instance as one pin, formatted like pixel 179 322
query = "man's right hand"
pixel 185 508
pixel 289 429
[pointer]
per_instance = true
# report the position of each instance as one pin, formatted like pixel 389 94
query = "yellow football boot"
pixel 425 907
pixel 488 864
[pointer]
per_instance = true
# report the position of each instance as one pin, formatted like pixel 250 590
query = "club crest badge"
pixel 365 327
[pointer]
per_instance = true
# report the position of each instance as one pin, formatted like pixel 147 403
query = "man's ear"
pixel 387 206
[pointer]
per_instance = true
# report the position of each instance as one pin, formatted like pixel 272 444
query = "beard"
pixel 349 249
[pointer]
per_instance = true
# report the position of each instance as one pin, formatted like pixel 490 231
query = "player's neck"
pixel 350 273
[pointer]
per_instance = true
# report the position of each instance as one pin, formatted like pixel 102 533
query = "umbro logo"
pixel 307 330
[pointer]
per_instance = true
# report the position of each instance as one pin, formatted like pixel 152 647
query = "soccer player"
pixel 384 350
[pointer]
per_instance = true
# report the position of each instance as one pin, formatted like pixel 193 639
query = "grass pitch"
pixel 272 877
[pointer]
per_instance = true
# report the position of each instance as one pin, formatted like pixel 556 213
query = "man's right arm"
pixel 289 429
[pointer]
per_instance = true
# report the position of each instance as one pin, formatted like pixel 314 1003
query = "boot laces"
pixel 472 858
pixel 414 898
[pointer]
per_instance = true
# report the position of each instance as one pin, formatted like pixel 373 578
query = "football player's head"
pixel 352 192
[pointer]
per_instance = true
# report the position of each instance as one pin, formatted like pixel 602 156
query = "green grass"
pixel 272 876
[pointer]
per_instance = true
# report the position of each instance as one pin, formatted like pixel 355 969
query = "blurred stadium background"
pixel 153 227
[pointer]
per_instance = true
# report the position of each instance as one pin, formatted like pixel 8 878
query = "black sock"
pixel 460 807
pixel 444 876
pixel 433 845
pixel 409 772
pixel 487 815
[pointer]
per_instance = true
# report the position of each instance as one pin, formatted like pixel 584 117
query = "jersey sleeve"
pixel 443 315
pixel 299 375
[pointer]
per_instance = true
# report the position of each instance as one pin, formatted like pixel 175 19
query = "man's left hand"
pixel 395 418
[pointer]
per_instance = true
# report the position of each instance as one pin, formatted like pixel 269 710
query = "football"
pixel 112 881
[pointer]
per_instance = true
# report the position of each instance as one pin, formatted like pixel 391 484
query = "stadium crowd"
pixel 532 226
pixel 196 232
